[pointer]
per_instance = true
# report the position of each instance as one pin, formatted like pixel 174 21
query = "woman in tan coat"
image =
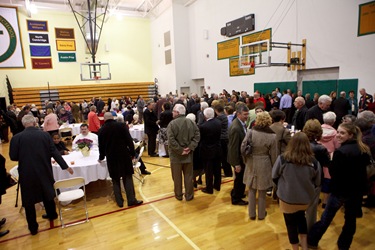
pixel 259 164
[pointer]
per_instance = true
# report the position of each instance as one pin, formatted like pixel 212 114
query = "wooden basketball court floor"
pixel 207 222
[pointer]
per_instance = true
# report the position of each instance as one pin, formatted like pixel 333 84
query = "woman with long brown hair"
pixel 348 183
pixel 297 174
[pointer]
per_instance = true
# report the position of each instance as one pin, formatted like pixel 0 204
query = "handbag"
pixel 247 144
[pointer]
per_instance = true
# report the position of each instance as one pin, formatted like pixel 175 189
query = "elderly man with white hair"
pixel 210 150
pixel 364 100
pixel 298 120
pixel 317 111
pixel 369 116
pixel 183 137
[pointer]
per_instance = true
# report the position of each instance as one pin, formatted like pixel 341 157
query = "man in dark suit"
pixel 116 144
pixel 298 120
pixel 316 112
pixel 210 150
pixel 151 128
pixel 237 132
pixel 33 150
pixel 3 187
pixel 341 108
pixel 100 105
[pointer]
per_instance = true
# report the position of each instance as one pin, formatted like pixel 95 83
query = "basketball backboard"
pixel 95 71
pixel 256 54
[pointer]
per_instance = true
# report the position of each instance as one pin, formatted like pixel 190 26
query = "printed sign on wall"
pixel 11 53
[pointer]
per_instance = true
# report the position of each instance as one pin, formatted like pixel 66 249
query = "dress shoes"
pixel 2 233
pixel 145 172
pixel 136 203
pixel 2 221
pixel 154 155
pixel 252 218
pixel 263 217
pixel 240 203
pixel 204 190
pixel 45 216
pixel 178 198
pixel 34 232
pixel 165 156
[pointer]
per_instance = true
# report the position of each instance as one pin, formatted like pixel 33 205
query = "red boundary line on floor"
pixel 52 226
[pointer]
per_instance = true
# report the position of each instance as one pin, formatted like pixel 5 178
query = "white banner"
pixel 11 54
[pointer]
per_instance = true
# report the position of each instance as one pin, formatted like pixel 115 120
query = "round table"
pixel 86 167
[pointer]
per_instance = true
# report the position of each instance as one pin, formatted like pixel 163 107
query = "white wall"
pixel 330 28
pixel 166 74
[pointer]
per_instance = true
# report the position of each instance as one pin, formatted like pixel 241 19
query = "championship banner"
pixel 67 57
pixel 36 50
pixel 41 63
pixel 11 52
pixel 38 38
pixel 66 45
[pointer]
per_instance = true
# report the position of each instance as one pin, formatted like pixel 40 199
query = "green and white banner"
pixel 11 53
pixel 67 57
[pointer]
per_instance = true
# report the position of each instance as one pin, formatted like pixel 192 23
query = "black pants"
pixel 151 147
pixel 127 180
pixel 238 185
pixel 213 174
pixel 50 207
pixel 224 153
pixel 295 224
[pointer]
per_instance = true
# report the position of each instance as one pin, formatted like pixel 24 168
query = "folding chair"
pixel 14 173
pixel 66 135
pixel 70 195
pixel 136 164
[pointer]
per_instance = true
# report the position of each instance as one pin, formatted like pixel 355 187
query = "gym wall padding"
pixel 268 87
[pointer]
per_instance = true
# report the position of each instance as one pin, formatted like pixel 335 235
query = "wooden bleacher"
pixel 78 93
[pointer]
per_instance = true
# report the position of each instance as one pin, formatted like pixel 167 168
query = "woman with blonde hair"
pixel 259 163
pixel 348 183
pixel 297 174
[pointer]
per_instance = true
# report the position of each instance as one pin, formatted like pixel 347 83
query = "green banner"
pixel 67 57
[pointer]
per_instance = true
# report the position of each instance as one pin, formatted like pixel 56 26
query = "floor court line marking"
pixel 99 215
pixel 160 195
pixel 173 236
pixel 162 215
pixel 159 165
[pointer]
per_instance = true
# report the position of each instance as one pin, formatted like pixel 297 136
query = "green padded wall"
pixel 268 87
pixel 319 86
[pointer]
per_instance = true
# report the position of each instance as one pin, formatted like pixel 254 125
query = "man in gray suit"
pixel 236 134
pixel 183 137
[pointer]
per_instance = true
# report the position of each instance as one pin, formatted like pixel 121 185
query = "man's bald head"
pixel 108 116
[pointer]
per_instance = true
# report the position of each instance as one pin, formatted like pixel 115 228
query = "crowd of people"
pixel 300 148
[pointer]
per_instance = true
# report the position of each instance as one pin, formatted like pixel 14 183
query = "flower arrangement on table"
pixel 84 145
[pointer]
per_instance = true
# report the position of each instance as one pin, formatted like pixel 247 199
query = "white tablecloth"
pixel 75 128
pixel 137 131
pixel 87 167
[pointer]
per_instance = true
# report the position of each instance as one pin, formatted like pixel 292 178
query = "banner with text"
pixel 11 52
pixel 35 25
pixel 64 33
pixel 67 57
pixel 66 45
pixel 38 38
pixel 41 63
